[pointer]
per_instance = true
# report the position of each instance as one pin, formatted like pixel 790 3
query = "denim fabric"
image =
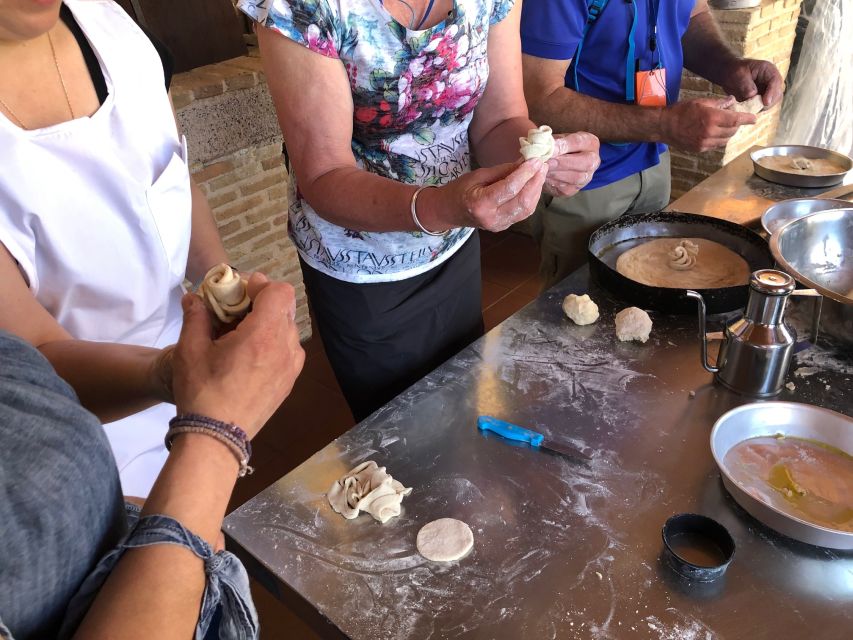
pixel 60 500
pixel 62 523
pixel 227 587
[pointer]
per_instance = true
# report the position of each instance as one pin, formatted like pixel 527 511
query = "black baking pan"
pixel 625 232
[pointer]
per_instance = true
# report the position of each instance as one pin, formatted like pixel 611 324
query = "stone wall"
pixel 234 143
pixel 765 33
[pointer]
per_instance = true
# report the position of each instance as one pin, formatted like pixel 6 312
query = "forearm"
pixel 705 51
pixel 206 248
pixel 112 381
pixel 500 145
pixel 567 111
pixel 156 591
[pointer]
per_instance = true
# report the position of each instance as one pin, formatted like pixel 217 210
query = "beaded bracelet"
pixel 228 434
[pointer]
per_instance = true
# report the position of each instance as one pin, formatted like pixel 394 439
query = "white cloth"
pixel 97 212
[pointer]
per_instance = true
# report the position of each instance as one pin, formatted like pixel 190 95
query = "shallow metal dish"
pixel 781 213
pixel 796 179
pixel 817 250
pixel 790 419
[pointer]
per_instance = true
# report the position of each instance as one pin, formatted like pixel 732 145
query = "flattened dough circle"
pixel 716 266
pixel 445 540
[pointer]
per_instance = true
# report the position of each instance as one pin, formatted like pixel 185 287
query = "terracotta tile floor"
pixel 316 413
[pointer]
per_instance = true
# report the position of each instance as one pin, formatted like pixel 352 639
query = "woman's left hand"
pixel 575 160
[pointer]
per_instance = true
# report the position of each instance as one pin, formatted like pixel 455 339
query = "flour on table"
pixel 367 487
pixel 445 540
pixel 580 309
pixel 633 324
pixel 539 143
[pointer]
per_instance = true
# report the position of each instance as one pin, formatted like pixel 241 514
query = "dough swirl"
pixel 539 143
pixel 683 256
pixel 225 294
pixel 367 487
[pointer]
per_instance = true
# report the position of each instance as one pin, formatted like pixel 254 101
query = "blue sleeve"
pixel 552 28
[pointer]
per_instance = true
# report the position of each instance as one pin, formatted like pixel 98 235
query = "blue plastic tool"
pixel 533 438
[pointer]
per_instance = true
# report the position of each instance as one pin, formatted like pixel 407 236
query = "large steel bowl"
pixel 781 213
pixel 789 419
pixel 817 250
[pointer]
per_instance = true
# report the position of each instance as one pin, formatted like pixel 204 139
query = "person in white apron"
pixel 99 220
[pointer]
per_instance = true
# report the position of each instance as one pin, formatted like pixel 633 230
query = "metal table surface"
pixel 736 194
pixel 561 549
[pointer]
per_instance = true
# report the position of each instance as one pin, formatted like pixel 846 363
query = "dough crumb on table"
pixel 367 487
pixel 445 540
pixel 633 324
pixel 790 386
pixel 539 143
pixel 580 309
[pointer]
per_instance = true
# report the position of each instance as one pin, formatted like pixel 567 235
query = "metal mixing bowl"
pixel 781 213
pixel 817 250
pixel 800 180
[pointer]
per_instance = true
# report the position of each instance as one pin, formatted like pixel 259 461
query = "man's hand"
pixel 749 77
pixel 701 124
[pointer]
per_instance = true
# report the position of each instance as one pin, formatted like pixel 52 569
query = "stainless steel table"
pixel 562 550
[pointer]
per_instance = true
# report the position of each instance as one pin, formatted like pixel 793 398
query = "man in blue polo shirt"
pixel 613 67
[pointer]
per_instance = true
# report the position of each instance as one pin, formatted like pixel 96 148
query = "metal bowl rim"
pixel 764 217
pixel 777 255
pixel 756 155
pixel 752 406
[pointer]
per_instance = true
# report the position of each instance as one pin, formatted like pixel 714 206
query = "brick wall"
pixel 234 143
pixel 765 33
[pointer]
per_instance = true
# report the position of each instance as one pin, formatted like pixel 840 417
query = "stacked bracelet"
pixel 228 434
pixel 415 211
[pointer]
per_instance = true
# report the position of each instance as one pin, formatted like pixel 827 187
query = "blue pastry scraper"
pixel 533 438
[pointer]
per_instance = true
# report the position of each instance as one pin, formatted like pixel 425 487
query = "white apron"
pixel 97 212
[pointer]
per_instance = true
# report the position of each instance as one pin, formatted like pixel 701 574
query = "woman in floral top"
pixel 382 106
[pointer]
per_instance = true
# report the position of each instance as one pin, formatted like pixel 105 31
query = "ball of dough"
pixel 580 309
pixel 445 540
pixel 754 105
pixel 633 324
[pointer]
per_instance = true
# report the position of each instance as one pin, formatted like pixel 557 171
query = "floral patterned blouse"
pixel 414 93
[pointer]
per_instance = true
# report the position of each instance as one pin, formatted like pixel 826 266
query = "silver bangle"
pixel 415 211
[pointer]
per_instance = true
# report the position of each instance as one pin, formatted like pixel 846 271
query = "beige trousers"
pixel 562 225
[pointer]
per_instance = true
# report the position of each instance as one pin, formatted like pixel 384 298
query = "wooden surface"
pixel 736 194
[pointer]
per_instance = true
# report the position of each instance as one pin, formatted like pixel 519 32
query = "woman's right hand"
pixel 243 376
pixel 492 199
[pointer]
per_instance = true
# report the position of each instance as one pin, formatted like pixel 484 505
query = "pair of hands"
pixel 707 123
pixel 243 375
pixel 497 197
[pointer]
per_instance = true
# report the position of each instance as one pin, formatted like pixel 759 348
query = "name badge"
pixel 651 87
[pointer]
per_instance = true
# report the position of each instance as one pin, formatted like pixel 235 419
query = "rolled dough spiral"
pixel 539 143
pixel 224 292
pixel 368 487
pixel 683 256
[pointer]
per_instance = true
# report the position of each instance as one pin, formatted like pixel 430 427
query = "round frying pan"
pixel 625 232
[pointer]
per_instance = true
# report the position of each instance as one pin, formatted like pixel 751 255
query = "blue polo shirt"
pixel 553 29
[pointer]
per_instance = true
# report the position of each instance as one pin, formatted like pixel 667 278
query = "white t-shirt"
pixel 414 93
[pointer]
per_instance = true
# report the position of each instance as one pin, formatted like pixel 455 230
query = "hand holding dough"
pixel 580 309
pixel 633 324
pixel 225 294
pixel 539 143
pixel 753 105
pixel 367 488
pixel 683 256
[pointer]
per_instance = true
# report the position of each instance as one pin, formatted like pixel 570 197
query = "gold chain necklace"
pixel 15 117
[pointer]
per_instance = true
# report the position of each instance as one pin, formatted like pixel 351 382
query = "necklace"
pixel 16 118
pixel 413 23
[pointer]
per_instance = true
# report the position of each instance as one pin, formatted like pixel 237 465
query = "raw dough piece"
pixel 716 265
pixel 801 165
pixel 580 309
pixel 633 324
pixel 367 488
pixel 683 256
pixel 753 105
pixel 445 540
pixel 539 143
pixel 224 292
